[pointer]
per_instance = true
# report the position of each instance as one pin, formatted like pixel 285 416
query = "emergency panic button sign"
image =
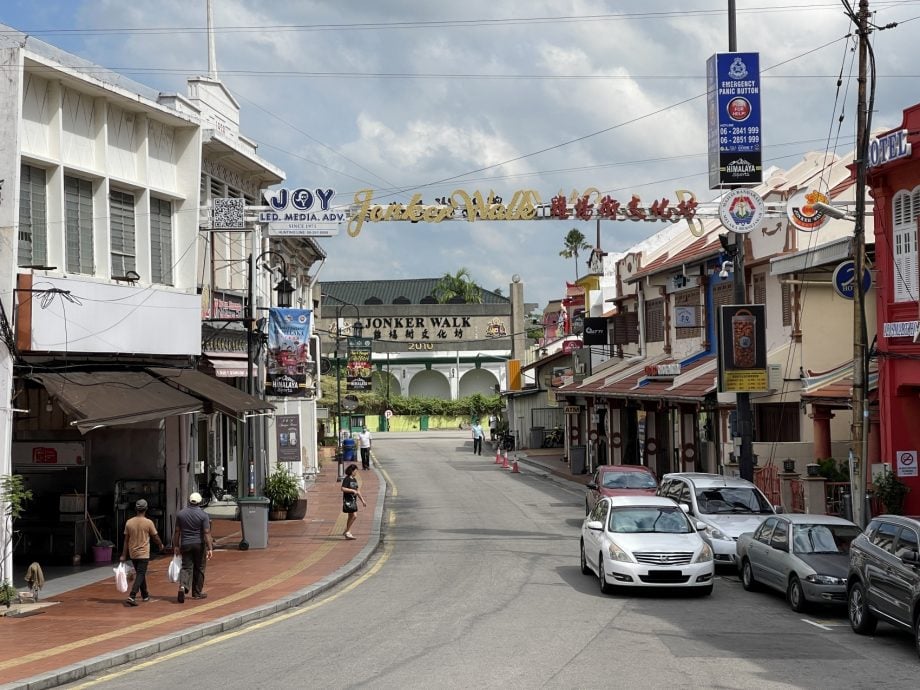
pixel 907 463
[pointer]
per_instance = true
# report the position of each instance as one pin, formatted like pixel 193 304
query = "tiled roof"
pixel 835 387
pixel 414 290
pixel 704 247
pixel 696 380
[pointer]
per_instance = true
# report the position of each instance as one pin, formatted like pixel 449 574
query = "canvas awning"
pixel 108 398
pixel 227 399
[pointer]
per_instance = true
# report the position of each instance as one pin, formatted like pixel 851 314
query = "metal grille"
pixel 161 241
pixel 547 417
pixel 121 232
pixel 78 224
pixel 663 557
pixel 33 231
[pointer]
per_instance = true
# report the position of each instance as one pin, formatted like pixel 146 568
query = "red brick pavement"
pixel 92 621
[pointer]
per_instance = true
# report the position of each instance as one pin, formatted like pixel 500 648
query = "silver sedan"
pixel 803 556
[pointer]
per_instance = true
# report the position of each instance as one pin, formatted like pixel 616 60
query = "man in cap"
pixel 139 530
pixel 192 539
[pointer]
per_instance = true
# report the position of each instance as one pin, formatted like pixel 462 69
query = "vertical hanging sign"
pixel 288 364
pixel 358 371
pixel 733 106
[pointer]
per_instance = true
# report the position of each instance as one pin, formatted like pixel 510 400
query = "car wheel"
pixel 747 577
pixel 795 595
pixel 601 576
pixel 585 570
pixel 861 619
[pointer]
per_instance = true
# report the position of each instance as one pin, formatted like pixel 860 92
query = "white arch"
pixel 429 383
pixel 477 381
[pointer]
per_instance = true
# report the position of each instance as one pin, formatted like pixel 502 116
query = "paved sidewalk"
pixel 90 630
pixel 551 460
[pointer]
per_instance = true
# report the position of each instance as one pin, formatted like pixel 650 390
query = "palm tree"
pixel 574 243
pixel 457 287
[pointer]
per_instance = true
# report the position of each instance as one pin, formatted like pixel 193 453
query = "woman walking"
pixel 350 496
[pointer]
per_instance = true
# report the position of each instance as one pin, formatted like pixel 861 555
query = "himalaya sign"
pixel 302 212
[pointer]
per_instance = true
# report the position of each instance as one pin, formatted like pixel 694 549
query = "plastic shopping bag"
pixel 175 565
pixel 121 577
pixel 130 572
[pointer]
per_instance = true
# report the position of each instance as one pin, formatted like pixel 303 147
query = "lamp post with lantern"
pixel 357 329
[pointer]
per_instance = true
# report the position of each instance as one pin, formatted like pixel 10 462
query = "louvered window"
pixel 654 321
pixel 906 207
pixel 161 241
pixel 121 210
pixel 33 229
pixel 787 304
pixel 760 288
pixel 632 326
pixel 78 222
pixel 687 314
pixel 625 328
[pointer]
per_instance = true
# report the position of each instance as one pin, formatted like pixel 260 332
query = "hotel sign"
pixel 889 147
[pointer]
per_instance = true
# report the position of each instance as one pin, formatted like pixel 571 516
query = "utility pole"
pixel 860 399
pixel 742 400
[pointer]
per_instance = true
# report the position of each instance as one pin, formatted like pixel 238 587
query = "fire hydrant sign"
pixel 907 463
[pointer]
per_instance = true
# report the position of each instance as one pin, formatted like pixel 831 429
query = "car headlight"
pixel 818 579
pixel 705 554
pixel 618 554
pixel 716 533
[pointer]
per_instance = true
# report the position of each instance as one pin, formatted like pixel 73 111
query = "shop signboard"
pixel 733 104
pixel 48 454
pixel 290 369
pixel 358 369
pixel 742 349
pixel 302 212
pixel 287 430
pixel 595 330
pixel 844 279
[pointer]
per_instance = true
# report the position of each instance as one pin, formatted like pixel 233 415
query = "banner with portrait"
pixel 290 368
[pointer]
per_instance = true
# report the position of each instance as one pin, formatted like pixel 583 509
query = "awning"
pixel 834 388
pixel 230 368
pixel 227 399
pixel 107 398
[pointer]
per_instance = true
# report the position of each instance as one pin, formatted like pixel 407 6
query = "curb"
pixel 82 669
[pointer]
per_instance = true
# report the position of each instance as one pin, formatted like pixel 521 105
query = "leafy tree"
pixel 457 286
pixel 574 243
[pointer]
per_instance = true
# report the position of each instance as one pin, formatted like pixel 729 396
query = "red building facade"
pixel 894 182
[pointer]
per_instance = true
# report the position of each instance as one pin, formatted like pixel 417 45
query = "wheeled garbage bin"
pixel 577 458
pixel 254 520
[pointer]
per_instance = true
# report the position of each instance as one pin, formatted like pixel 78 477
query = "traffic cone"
pixel 498 455
pixel 514 467
pixel 505 464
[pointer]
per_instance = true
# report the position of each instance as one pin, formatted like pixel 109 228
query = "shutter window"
pixel 121 210
pixel 654 321
pixel 787 304
pixel 161 241
pixel 33 228
pixel 619 329
pixel 905 209
pixel 632 326
pixel 78 224
pixel 760 288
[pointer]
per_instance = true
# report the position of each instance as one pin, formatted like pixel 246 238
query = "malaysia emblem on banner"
pixel 290 371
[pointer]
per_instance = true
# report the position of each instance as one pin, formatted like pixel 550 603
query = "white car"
pixel 644 541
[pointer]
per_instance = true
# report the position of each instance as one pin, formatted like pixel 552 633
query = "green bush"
pixel 891 491
pixel 281 487
pixel 833 471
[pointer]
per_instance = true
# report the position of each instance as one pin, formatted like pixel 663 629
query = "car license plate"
pixel 665 576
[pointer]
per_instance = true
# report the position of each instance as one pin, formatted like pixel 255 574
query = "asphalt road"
pixel 478 586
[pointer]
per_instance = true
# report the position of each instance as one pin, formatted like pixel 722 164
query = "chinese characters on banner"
pixel 358 369
pixel 290 371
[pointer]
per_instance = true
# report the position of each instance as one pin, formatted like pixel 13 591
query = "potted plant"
pixel 13 496
pixel 281 488
pixel 8 594
pixel 891 491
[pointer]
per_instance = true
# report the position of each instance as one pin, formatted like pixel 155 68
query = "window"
pixel 161 240
pixel 787 303
pixel 780 539
pixel 654 321
pixel 723 293
pixel 33 230
pixel 78 225
pixel 765 531
pixel 625 328
pixel 776 423
pixel 760 288
pixel 121 209
pixel 906 208
pixel 884 536
pixel 687 302
pixel 907 542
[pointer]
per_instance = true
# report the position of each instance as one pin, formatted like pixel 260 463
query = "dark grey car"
pixel 884 576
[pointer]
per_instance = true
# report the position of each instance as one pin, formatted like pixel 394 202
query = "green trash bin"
pixel 254 520
pixel 423 422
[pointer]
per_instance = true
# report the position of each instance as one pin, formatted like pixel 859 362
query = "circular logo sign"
pixel 350 402
pixel 388 414
pixel 741 210
pixel 739 109
pixel 802 212
pixel 844 279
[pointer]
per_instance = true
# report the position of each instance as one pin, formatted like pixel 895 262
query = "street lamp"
pixel 357 328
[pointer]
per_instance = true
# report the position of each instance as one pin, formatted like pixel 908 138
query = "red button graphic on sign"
pixel 739 109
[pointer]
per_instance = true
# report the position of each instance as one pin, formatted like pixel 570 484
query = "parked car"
pixel 728 506
pixel 884 576
pixel 620 480
pixel 644 541
pixel 804 556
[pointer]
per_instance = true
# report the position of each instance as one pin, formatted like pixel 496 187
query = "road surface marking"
pixel 816 624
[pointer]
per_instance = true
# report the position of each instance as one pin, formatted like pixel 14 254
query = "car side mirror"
pixel 700 526
pixel 685 507
pixel 595 525
pixel 592 485
pixel 779 509
pixel 911 558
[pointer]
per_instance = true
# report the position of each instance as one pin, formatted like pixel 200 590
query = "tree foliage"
pixel 574 244
pixel 458 286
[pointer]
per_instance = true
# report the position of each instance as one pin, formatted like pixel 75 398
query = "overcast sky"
pixel 416 95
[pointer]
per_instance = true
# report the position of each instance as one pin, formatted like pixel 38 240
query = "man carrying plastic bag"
pixel 139 530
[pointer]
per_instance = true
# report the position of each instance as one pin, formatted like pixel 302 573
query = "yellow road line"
pixel 387 550
pixel 393 490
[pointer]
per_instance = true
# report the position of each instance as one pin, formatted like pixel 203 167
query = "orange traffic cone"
pixel 498 455
pixel 514 467
pixel 505 464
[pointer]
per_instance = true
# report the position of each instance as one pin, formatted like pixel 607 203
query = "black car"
pixel 884 576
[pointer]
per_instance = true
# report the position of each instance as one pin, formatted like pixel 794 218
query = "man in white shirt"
pixel 477 438
pixel 364 441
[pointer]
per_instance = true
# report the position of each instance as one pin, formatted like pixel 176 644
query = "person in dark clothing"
pixel 192 539
pixel 350 497
pixel 139 531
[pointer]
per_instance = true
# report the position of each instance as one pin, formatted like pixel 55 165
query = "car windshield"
pixel 732 499
pixel 639 519
pixel 628 480
pixel 823 538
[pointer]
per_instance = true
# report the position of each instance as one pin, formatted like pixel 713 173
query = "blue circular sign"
pixel 844 280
